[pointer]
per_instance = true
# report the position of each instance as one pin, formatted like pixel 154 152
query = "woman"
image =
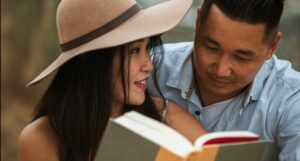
pixel 102 73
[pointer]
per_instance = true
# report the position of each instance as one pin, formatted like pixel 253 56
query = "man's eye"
pixel 210 47
pixel 240 58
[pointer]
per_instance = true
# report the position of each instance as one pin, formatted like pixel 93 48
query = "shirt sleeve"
pixel 289 130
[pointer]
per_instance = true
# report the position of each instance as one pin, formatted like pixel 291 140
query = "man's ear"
pixel 274 44
pixel 198 10
pixel 198 21
pixel 198 15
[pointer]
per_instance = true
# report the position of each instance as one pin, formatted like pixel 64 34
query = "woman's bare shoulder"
pixel 38 141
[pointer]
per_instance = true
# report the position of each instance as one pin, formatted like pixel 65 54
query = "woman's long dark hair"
pixel 79 99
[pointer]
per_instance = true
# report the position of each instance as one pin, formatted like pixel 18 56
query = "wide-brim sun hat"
pixel 87 25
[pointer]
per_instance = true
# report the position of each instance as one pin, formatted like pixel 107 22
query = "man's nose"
pixel 223 68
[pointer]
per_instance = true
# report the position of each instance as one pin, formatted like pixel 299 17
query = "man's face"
pixel 228 54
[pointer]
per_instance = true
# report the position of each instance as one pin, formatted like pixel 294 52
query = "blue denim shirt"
pixel 270 106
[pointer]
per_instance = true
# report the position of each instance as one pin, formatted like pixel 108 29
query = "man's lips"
pixel 219 82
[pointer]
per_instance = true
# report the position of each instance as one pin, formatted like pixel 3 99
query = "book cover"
pixel 135 137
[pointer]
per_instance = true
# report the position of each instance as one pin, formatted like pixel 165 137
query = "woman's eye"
pixel 135 50
pixel 148 47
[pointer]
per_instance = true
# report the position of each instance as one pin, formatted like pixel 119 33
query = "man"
pixel 229 79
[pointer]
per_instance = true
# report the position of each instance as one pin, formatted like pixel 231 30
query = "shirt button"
pixel 197 113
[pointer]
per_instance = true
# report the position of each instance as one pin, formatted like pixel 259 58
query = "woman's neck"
pixel 116 109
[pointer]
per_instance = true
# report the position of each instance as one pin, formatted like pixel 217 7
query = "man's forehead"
pixel 216 18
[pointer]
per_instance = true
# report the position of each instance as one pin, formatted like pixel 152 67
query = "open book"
pixel 135 137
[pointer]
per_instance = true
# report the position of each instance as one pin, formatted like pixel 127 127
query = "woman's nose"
pixel 147 64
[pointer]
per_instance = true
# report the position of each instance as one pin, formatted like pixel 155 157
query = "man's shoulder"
pixel 178 49
pixel 283 73
pixel 175 66
pixel 176 54
pixel 179 46
pixel 278 104
pixel 280 84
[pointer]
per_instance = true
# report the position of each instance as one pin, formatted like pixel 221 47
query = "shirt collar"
pixel 256 87
pixel 181 75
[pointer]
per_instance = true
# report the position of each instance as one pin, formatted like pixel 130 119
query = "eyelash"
pixel 148 47
pixel 136 50
pixel 242 59
pixel 210 48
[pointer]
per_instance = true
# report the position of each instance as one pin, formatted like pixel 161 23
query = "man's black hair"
pixel 267 12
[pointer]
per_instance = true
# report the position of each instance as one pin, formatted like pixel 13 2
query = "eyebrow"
pixel 137 41
pixel 241 51
pixel 210 40
pixel 246 52
pixel 140 40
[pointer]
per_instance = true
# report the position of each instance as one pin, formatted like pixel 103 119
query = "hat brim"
pixel 148 22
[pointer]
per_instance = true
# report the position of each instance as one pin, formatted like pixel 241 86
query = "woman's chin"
pixel 138 100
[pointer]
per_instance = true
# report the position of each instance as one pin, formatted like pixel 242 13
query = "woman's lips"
pixel 141 84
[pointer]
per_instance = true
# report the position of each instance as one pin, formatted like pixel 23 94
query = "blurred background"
pixel 29 43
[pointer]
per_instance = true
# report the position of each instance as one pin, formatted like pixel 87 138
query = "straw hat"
pixel 86 25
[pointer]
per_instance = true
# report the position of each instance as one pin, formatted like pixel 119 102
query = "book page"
pixel 156 132
pixel 225 137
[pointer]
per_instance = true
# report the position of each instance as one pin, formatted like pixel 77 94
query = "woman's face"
pixel 137 69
